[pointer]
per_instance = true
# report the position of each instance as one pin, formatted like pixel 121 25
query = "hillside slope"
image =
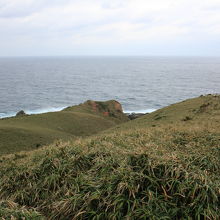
pixel 32 131
pixel 167 168
pixel 200 109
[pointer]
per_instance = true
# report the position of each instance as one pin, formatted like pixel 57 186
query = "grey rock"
pixel 21 113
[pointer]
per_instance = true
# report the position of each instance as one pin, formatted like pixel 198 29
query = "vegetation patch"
pixel 30 132
pixel 144 169
pixel 10 210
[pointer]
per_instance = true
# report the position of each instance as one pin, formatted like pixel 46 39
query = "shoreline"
pixel 53 109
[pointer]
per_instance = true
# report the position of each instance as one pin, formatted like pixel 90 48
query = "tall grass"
pixel 166 172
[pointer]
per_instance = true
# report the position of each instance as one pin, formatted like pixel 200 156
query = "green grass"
pixel 33 131
pixel 200 109
pixel 10 210
pixel 149 168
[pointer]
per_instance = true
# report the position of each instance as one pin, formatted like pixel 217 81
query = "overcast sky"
pixel 109 27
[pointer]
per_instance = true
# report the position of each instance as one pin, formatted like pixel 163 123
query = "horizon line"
pixel 35 56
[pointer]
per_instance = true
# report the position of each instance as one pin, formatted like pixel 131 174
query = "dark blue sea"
pixel 140 84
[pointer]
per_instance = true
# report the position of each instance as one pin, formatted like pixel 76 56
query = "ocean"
pixel 140 84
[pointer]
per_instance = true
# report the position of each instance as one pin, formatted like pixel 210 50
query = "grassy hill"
pixel 164 165
pixel 29 132
pixel 187 112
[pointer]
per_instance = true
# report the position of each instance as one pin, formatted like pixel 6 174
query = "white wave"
pixel 144 111
pixel 6 115
pixel 32 112
pixel 44 110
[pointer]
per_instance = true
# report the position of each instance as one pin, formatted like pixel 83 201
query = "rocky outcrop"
pixel 134 115
pixel 110 108
pixel 21 113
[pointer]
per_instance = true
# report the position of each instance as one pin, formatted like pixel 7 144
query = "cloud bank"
pixel 104 27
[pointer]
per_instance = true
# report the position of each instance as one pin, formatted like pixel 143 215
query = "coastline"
pixel 57 109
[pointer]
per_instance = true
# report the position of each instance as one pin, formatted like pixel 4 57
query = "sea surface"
pixel 140 84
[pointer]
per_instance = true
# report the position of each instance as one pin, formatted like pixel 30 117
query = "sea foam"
pixel 56 109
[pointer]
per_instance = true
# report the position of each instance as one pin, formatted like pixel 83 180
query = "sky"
pixel 110 27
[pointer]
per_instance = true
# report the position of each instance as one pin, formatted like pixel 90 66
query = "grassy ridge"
pixel 139 170
pixel 203 108
pixel 32 131
pixel 135 174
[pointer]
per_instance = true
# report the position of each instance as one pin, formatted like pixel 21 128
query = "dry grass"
pixel 158 174
pixel 29 132
pixel 168 171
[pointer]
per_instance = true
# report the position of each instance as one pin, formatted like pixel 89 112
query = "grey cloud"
pixel 213 8
pixel 69 24
pixel 11 9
